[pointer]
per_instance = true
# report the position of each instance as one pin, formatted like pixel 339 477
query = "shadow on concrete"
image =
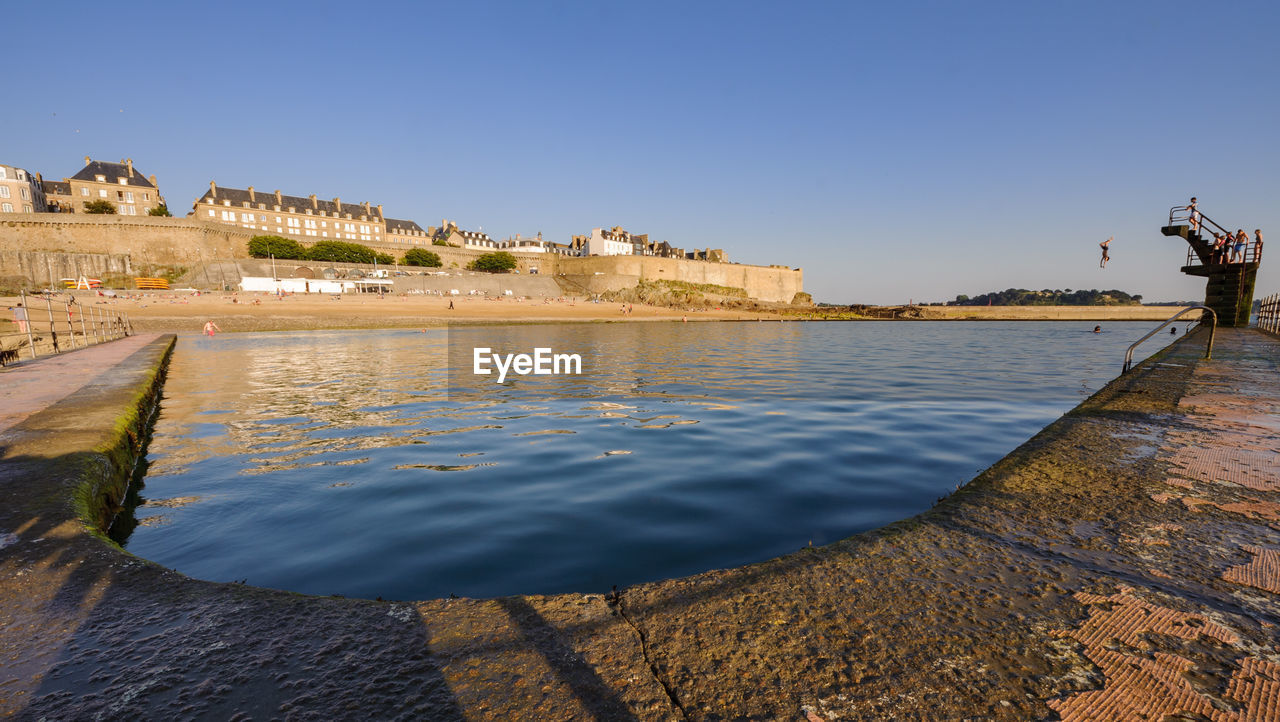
pixel 567 664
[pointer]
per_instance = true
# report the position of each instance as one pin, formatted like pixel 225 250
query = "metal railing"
pixel 47 324
pixel 1206 230
pixel 1208 352
pixel 1269 314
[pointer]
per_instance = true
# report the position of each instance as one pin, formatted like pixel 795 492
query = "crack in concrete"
pixel 616 603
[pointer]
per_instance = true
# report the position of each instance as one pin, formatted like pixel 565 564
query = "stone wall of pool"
pixel 1147 515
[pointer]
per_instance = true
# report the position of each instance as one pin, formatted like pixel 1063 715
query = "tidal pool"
pixel 354 463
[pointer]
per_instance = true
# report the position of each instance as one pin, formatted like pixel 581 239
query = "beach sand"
pixel 186 312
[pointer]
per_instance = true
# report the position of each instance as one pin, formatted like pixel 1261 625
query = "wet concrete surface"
pixel 1124 563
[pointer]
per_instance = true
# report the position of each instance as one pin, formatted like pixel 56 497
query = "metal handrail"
pixel 48 326
pixel 1208 352
pixel 1178 215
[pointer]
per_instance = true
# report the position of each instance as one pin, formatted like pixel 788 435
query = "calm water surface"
pixel 339 463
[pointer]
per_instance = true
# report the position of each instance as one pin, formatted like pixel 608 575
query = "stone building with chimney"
pixel 303 218
pixel 121 184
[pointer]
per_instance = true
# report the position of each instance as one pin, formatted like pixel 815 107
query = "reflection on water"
pixel 355 463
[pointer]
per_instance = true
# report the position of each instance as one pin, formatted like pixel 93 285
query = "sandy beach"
pixel 187 312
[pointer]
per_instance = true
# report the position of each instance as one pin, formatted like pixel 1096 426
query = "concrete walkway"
pixel 37 384
pixel 1122 564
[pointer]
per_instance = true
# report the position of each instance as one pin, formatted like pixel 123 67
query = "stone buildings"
pixel 449 233
pixel 535 245
pixel 306 219
pixel 20 191
pixel 121 184
pixel 618 242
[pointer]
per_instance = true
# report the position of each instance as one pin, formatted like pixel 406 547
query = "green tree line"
pixel 1049 297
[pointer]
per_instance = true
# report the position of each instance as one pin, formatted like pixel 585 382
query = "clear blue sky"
pixel 895 151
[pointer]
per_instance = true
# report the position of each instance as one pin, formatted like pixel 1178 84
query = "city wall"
pixel 185 243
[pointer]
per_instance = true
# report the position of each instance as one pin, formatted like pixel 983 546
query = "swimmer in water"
pixel 210 328
pixel 1097 329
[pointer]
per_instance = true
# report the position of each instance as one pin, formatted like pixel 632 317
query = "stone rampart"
pixel 187 243
pixel 31 269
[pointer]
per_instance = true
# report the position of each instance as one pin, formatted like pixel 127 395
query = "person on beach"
pixel 1193 215
pixel 210 328
pixel 20 316
pixel 1106 255
pixel 451 304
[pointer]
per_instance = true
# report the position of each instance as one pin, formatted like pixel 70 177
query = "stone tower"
pixel 1229 286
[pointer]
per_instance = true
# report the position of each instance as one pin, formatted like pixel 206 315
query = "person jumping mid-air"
pixel 1106 256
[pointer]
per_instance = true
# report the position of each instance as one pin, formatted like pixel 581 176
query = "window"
pixel 229 216
pixel 263 219
pixel 100 178
pixel 6 207
pixel 146 196
pixel 22 175
pixel 26 208
pixel 123 181
pixel 84 191
pixel 4 191
pixel 2 173
pixel 128 196
pixel 211 213
pixel 23 192
pixel 102 192
pixel 277 219
pixel 292 223
pixel 309 224
pixel 247 217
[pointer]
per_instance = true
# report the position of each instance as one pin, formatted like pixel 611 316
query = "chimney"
pixel 39 178
pixel 129 162
pixel 86 160
pixel 279 199
pixel 367 210
pixel 213 189
pixel 315 206
pixel 337 203
pixel 253 197
pixel 380 213
pixel 152 178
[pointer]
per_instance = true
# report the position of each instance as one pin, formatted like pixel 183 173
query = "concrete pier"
pixel 1124 562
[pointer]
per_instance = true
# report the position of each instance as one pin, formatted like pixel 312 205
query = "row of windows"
pixel 121 195
pixel 8 207
pixel 293 209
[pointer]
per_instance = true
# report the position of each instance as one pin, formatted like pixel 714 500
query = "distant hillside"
pixel 1049 297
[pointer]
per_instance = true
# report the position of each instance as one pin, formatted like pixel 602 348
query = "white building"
pixel 20 191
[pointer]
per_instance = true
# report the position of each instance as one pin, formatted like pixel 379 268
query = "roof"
pixel 56 187
pixel 395 224
pixel 113 172
pixel 239 196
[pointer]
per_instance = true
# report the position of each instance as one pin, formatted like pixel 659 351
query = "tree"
pixel 499 262
pixel 385 259
pixel 343 252
pixel 265 246
pixel 422 257
pixel 100 206
pixel 160 210
pixel 439 242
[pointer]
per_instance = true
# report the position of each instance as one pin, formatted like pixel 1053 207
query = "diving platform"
pixel 1229 275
